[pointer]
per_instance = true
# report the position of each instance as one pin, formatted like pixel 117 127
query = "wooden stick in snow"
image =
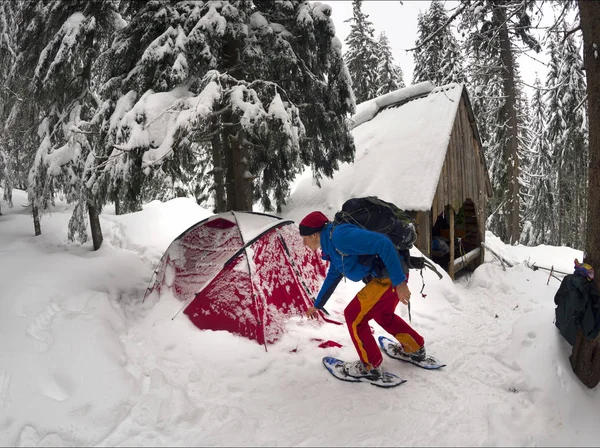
pixel 501 259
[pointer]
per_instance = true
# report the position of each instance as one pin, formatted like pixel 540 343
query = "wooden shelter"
pixel 419 148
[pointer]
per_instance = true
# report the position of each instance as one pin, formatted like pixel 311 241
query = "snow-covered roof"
pixel 401 140
pixel 367 110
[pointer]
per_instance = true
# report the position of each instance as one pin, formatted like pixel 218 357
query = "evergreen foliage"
pixel 8 17
pixel 440 59
pixel 524 138
pixel 236 81
pixel 389 75
pixel 362 55
pixel 567 135
pixel 538 215
pixel 68 43
pixel 492 30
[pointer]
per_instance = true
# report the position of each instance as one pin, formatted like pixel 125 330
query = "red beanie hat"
pixel 313 223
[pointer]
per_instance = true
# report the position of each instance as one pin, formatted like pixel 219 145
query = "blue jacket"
pixel 342 248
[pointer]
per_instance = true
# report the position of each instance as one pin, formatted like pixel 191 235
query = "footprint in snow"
pixel 4 386
pixel 59 388
pixel 41 328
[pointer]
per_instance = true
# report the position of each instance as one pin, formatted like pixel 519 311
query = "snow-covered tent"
pixel 419 148
pixel 242 272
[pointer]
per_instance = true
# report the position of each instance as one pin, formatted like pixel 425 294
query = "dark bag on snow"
pixel 577 308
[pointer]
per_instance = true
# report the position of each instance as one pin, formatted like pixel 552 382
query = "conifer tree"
pixel 228 85
pixel 567 133
pixel 440 59
pixel 72 36
pixel 524 138
pixel 389 75
pixel 23 118
pixel 8 16
pixel 362 54
pixel 539 205
pixel 493 26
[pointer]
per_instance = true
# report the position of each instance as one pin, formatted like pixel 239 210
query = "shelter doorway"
pixel 455 238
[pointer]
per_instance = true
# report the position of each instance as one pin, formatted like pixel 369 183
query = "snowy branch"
pixel 274 84
pixel 204 137
pixel 311 74
pixel 13 93
pixel 560 17
pixel 543 89
pixel 436 32
pixel 582 102
pixel 568 33
pixel 79 131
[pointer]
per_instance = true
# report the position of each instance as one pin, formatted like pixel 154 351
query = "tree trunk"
pixel 94 214
pixel 559 233
pixel 239 185
pixel 36 220
pixel 218 173
pixel 585 359
pixel 117 207
pixel 506 54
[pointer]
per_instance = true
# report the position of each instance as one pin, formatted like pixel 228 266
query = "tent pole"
pixel 251 287
pixel 180 309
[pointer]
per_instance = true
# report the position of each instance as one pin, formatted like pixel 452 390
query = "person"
pixel 341 245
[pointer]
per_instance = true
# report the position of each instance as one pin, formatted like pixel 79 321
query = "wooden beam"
pixel 424 237
pixel 467 258
pixel 451 260
pixel 500 258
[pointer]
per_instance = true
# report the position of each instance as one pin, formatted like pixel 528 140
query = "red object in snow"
pixel 245 273
pixel 329 343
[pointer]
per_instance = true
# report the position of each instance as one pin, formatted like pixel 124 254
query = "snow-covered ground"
pixel 84 362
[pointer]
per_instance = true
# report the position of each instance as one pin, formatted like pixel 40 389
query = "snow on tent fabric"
pixel 242 272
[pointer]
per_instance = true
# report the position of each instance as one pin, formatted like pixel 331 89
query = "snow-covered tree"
pixel 255 89
pixel 438 59
pixel 362 54
pixel 524 138
pixel 8 17
pixel 493 28
pixel 62 62
pixel 567 135
pixel 389 75
pixel 539 216
pixel 24 113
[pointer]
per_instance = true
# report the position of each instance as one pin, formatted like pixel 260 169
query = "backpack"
pixel 577 308
pixel 377 215
pixel 374 214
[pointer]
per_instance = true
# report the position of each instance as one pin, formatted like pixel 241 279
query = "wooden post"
pixel 423 242
pixel 551 271
pixel 451 260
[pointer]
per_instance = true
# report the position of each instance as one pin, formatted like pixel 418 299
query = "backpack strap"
pixel 334 224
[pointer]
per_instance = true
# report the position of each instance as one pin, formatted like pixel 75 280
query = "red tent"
pixel 243 272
